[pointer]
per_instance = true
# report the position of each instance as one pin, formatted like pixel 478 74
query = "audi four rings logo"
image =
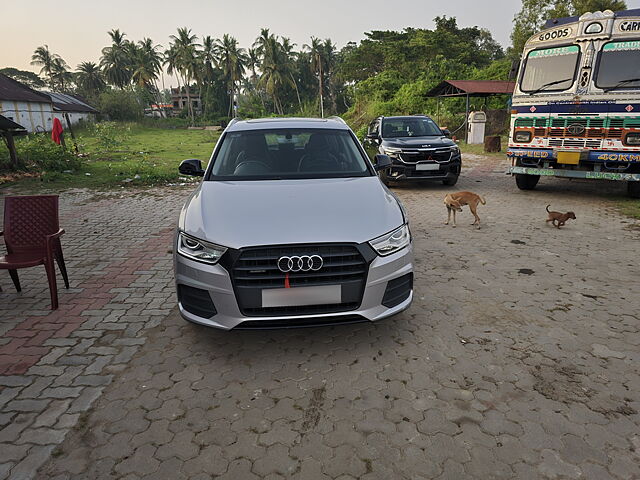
pixel 304 263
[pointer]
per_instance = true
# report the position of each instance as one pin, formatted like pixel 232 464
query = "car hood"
pixel 238 214
pixel 417 142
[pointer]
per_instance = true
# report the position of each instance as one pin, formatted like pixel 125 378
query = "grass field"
pixel 129 154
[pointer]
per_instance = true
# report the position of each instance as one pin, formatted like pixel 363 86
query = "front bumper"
pixel 401 171
pixel 216 280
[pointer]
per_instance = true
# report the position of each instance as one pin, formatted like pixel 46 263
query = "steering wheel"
pixel 251 162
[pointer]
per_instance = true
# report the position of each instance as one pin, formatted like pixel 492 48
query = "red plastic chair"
pixel 32 235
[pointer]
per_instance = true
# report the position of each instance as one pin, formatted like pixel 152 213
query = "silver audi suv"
pixel 291 227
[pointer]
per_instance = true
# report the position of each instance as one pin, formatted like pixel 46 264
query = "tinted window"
pixel 619 65
pixel 409 127
pixel 288 154
pixel 551 69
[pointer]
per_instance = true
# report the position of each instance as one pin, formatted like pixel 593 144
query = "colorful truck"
pixel 576 106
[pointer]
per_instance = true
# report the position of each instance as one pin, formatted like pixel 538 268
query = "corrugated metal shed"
pixel 473 88
pixel 64 102
pixel 11 90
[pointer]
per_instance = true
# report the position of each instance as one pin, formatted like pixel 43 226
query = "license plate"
pixel 300 296
pixel 427 166
pixel 569 158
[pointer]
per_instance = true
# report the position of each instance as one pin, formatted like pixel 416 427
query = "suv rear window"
pixel 288 154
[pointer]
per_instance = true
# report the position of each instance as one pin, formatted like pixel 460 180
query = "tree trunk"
pixel 321 90
pixel 295 84
pixel 186 87
pixel 12 150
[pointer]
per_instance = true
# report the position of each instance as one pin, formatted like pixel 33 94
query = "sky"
pixel 77 29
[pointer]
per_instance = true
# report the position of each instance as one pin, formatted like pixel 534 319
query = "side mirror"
pixel 372 136
pixel 382 161
pixel 192 167
pixel 446 132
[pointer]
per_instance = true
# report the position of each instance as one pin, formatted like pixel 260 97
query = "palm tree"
pixel 207 74
pixel 276 69
pixel 60 74
pixel 44 58
pixel 232 60
pixel 317 64
pixel 289 67
pixel 146 64
pixel 116 60
pixel 185 60
pixel 89 78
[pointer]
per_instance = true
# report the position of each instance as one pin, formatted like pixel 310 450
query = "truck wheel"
pixel 633 189
pixel 527 182
pixel 451 181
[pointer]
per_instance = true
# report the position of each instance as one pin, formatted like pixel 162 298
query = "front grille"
pixel 575 143
pixel 413 156
pixel 257 268
pixel 300 322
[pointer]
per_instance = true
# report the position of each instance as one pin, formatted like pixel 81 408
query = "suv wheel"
pixel 451 181
pixel 526 182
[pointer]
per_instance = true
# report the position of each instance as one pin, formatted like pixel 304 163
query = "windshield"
pixel 619 65
pixel 288 154
pixel 409 127
pixel 551 69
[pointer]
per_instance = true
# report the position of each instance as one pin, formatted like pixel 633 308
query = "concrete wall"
pixel 34 116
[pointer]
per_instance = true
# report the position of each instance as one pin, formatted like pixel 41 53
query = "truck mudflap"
pixel 552 172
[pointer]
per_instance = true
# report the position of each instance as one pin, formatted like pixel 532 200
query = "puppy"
pixel 455 201
pixel 559 219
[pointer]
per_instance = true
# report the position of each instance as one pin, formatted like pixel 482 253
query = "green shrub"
pixel 121 105
pixel 39 153
pixel 109 135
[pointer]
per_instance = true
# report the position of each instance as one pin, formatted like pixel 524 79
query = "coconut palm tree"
pixel 60 74
pixel 116 60
pixel 44 58
pixel 232 60
pixel 184 52
pixel 89 78
pixel 146 63
pixel 276 70
pixel 317 64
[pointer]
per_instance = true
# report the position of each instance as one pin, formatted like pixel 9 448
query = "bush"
pixel 109 135
pixel 120 105
pixel 39 153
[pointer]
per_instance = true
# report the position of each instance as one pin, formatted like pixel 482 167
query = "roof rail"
pixel 337 119
pixel 232 121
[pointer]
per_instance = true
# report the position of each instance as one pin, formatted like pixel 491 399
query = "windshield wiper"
pixel 550 84
pixel 622 82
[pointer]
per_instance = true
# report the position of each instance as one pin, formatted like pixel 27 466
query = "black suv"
pixel 418 148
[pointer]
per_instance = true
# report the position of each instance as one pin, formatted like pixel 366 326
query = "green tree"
pixel 60 75
pixel 47 60
pixel 116 60
pixel 89 78
pixel 583 6
pixel 25 77
pixel 183 52
pixel 232 60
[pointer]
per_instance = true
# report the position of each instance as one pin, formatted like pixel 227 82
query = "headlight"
pixel 522 137
pixel 632 139
pixel 199 250
pixel 391 150
pixel 392 242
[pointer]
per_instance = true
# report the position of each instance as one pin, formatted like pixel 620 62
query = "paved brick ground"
pixel 518 359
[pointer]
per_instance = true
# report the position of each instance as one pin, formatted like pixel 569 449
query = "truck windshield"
pixel 619 65
pixel 551 69
pixel 294 153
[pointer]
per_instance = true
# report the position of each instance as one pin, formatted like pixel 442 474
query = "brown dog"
pixel 560 218
pixel 455 202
